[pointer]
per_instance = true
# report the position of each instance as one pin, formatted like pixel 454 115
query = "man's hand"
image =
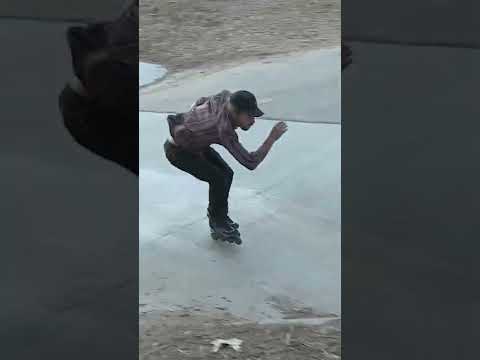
pixel 278 130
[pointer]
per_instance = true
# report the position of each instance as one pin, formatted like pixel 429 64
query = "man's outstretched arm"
pixel 251 160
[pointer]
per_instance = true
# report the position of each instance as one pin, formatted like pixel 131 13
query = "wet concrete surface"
pixel 288 209
pixel 304 86
pixel 289 212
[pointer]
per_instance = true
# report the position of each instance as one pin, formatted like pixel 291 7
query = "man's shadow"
pixel 100 105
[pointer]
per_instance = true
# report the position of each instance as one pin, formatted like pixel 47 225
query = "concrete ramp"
pixel 304 87
pixel 289 212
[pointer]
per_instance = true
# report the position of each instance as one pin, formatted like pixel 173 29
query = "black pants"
pixel 208 167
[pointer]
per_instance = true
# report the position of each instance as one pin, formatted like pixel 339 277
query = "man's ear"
pixel 232 108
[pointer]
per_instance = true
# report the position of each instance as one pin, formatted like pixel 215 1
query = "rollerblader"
pixel 214 120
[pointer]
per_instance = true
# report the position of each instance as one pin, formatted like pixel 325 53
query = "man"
pixel 214 120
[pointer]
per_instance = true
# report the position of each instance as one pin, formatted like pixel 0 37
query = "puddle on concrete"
pixel 150 73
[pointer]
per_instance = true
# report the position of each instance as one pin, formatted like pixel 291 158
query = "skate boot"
pixel 230 222
pixel 220 229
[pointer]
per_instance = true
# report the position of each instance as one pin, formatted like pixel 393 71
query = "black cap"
pixel 245 101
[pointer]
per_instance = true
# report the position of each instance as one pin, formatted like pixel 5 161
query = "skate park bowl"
pixel 288 267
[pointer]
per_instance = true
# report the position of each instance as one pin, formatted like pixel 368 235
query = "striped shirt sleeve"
pixel 199 102
pixel 248 159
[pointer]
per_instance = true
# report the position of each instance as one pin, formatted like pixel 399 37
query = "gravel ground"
pixel 189 336
pixel 185 34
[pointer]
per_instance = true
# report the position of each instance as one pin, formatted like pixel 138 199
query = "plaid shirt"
pixel 208 122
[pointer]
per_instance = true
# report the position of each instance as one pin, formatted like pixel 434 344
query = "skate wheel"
pixel 234 240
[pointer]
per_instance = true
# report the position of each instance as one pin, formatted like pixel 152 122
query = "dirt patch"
pixel 185 34
pixel 189 336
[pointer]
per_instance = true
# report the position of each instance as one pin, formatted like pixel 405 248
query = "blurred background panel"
pixel 412 21
pixel 56 10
